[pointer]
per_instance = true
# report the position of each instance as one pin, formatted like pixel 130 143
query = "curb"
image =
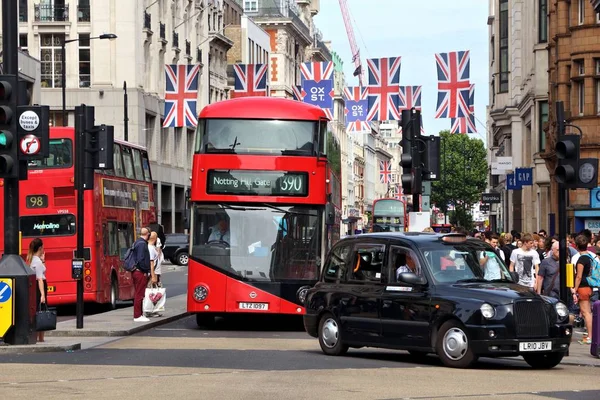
pixel 22 349
pixel 109 333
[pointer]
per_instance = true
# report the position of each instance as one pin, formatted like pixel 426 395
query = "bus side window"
pixel 128 162
pixel 111 239
pixel 118 161
pixel 146 166
pixel 137 165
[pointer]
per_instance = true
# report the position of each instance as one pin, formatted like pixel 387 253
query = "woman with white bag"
pixel 154 300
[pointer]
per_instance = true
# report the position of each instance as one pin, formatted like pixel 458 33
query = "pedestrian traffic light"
pixel 567 152
pixel 411 152
pixel 8 127
pixel 587 173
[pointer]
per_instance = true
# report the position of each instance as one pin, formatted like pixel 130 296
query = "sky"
pixel 415 30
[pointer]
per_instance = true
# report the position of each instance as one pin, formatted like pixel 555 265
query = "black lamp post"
pixel 109 36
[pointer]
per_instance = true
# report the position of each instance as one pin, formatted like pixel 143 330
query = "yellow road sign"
pixel 6 305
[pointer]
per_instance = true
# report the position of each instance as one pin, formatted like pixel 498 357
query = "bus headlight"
pixel 200 293
pixel 301 294
pixel 562 310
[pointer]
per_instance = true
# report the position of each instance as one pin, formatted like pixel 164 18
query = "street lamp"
pixel 109 36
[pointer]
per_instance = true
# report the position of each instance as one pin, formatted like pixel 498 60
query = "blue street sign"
pixel 5 292
pixel 524 176
pixel 595 197
pixel 511 182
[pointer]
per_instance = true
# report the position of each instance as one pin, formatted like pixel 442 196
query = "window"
pixel 137 165
pixel 83 11
pixel 146 166
pixel 335 267
pixel 580 96
pixel 23 42
pixel 504 28
pixel 48 225
pixel 543 21
pixel 22 10
pixel 543 120
pixel 84 61
pixel 367 262
pixel 597 83
pixel 51 60
pixel 61 155
pixel 598 18
pixel 111 239
pixel 580 67
pixel 403 260
pixel 118 161
pixel 250 5
pixel 125 237
pixel 128 162
pixel 581 15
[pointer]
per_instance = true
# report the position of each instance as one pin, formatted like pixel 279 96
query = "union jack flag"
pixel 410 96
pixel 297 92
pixel 396 191
pixel 463 125
pixel 356 109
pixel 385 171
pixel 453 84
pixel 384 89
pixel 181 93
pixel 472 98
pixel 250 80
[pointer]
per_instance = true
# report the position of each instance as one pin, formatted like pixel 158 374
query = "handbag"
pixel 45 319
pixel 154 299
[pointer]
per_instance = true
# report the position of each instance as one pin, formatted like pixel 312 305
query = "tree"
pixel 463 179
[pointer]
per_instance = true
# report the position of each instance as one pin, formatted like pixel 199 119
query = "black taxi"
pixel 432 293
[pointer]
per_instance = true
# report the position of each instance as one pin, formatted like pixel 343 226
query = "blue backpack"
pixel 593 279
pixel 129 262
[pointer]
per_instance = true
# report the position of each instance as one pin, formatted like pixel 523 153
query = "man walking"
pixel 140 274
pixel 548 281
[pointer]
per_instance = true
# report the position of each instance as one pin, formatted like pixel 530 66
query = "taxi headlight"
pixel 562 310
pixel 487 310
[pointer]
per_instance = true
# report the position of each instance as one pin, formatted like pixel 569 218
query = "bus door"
pixel 118 237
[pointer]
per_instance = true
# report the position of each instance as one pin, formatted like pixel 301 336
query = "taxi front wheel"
pixel 330 336
pixel 453 347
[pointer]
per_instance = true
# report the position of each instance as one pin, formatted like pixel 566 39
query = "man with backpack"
pixel 141 270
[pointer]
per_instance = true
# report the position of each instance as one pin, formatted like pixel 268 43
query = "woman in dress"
pixel 36 259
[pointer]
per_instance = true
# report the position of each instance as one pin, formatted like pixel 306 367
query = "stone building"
pixel 574 65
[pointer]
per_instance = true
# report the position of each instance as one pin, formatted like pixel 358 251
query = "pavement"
pixel 99 329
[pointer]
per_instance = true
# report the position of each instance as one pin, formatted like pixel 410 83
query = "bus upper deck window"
pixel 137 165
pixel 118 161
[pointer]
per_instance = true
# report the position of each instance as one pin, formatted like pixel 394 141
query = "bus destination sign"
pixel 388 220
pixel 257 183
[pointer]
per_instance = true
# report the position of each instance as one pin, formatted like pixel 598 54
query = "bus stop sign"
pixel 6 305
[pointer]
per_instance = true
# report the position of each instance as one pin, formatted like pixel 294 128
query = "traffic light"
pixel 432 158
pixel 567 152
pixel 411 160
pixel 105 143
pixel 587 173
pixel 9 156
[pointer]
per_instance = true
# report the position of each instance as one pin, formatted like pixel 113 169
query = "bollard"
pixel 18 288
pixel 595 328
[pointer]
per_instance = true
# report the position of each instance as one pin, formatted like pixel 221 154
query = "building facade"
pixel 574 65
pixel 518 110
pixel 150 34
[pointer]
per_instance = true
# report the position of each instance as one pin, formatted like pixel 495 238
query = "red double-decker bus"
pixel 264 206
pixel 120 204
pixel 389 215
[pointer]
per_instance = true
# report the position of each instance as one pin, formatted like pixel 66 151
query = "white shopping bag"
pixel 154 299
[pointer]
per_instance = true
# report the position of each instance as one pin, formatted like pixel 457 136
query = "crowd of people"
pixel 535 258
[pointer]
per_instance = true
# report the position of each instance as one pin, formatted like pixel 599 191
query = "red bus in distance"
pixel 265 206
pixel 120 204
pixel 389 215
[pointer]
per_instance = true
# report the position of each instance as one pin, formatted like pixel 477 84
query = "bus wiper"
pixel 234 145
pixel 223 151
pixel 281 210
pixel 295 152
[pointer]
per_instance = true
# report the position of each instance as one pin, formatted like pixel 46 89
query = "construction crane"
pixel 358 71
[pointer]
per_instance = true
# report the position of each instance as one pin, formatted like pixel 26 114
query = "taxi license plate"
pixel 50 289
pixel 254 306
pixel 535 346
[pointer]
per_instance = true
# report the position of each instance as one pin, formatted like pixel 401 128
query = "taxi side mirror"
pixel 412 279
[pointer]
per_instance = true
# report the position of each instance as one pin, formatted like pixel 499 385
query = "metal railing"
pixel 83 13
pixel 147 21
pixel 322 48
pixel 51 13
pixel 283 12
pixel 162 30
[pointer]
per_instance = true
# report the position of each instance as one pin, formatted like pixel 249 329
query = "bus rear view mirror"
pixel 329 214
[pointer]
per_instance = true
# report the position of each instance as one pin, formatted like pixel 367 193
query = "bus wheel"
pixel 114 292
pixel 204 320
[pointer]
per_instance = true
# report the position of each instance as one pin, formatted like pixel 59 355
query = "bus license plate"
pixel 535 346
pixel 50 289
pixel 254 306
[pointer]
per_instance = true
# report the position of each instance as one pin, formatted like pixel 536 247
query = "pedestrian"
pixel 140 274
pixel 525 261
pixel 582 289
pixel 548 278
pixel 36 258
pixel 156 255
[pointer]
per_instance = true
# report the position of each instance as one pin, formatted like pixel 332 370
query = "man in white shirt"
pixel 220 232
pixel 526 262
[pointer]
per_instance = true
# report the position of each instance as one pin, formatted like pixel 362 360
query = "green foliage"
pixel 334 154
pixel 464 172
pixel 460 217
